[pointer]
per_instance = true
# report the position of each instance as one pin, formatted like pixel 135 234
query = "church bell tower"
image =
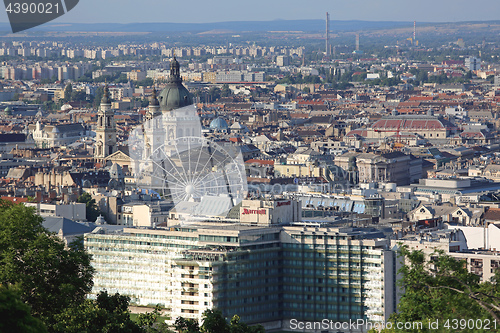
pixel 105 129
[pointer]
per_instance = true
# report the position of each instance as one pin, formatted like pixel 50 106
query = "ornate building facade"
pixel 105 143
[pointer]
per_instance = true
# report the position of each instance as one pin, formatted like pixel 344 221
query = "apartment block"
pixel 267 275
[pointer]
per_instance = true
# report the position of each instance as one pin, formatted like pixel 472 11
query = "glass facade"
pixel 262 274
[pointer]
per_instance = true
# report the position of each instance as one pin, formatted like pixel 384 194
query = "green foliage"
pixel 98 96
pixel 50 277
pixel 214 94
pixel 15 316
pixel 122 78
pixel 78 96
pixel 146 82
pixel 183 325
pixel 92 210
pixel 149 321
pixel 214 322
pixel 441 288
pixel 226 92
pixel 108 313
pixel 67 92
pixel 298 79
pixel 236 326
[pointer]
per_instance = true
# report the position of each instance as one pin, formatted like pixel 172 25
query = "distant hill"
pixel 242 26
pixel 307 26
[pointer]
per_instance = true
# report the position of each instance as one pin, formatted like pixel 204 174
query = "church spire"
pixel 105 96
pixel 175 71
pixel 153 101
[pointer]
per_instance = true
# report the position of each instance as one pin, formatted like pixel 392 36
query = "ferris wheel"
pixel 189 168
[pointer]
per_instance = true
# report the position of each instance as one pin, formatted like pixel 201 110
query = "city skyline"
pixel 225 11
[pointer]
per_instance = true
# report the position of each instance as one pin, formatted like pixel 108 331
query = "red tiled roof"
pixel 258 180
pixel 408 124
pixel 298 115
pixel 421 98
pixel 409 104
pixel 15 199
pixel 303 102
pixel 492 214
pixel 359 131
pixel 261 162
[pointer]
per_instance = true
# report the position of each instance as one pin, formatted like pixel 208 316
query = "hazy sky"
pixel 202 11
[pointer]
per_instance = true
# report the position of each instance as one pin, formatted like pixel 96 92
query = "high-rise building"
pixel 473 63
pixel 282 60
pixel 268 274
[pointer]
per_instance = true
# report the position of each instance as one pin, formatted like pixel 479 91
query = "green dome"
pixel 8 110
pixel 175 95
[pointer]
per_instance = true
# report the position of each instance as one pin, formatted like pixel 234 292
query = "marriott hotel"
pixel 259 261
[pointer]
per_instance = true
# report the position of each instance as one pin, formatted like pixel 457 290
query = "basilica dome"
pixel 175 95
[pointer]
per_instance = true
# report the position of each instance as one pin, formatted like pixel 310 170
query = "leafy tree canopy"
pixel 440 288
pixel 51 278
pixel 214 322
pixel 108 313
pixel 15 315
pixel 92 210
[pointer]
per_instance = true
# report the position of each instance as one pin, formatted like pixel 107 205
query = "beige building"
pixel 428 127
pixel 447 213
pixel 394 167
pixel 209 77
pixel 142 214
pixel 136 75
pixel 297 170
pixel 50 136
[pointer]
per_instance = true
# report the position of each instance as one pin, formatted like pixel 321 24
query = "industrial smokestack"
pixel 414 32
pixel 327 35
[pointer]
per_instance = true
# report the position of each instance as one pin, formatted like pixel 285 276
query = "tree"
pixel 226 91
pixel 91 208
pixel 122 78
pixel 15 316
pixel 236 326
pixel 214 322
pixel 146 82
pixel 51 278
pixel 108 313
pixel 183 325
pixel 214 94
pixel 148 321
pixel 78 96
pixel 67 92
pixel 441 288
pixel 98 96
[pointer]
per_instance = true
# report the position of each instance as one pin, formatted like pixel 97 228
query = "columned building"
pixel 106 129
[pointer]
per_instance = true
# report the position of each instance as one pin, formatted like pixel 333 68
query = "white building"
pixel 473 63
pixel 73 211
